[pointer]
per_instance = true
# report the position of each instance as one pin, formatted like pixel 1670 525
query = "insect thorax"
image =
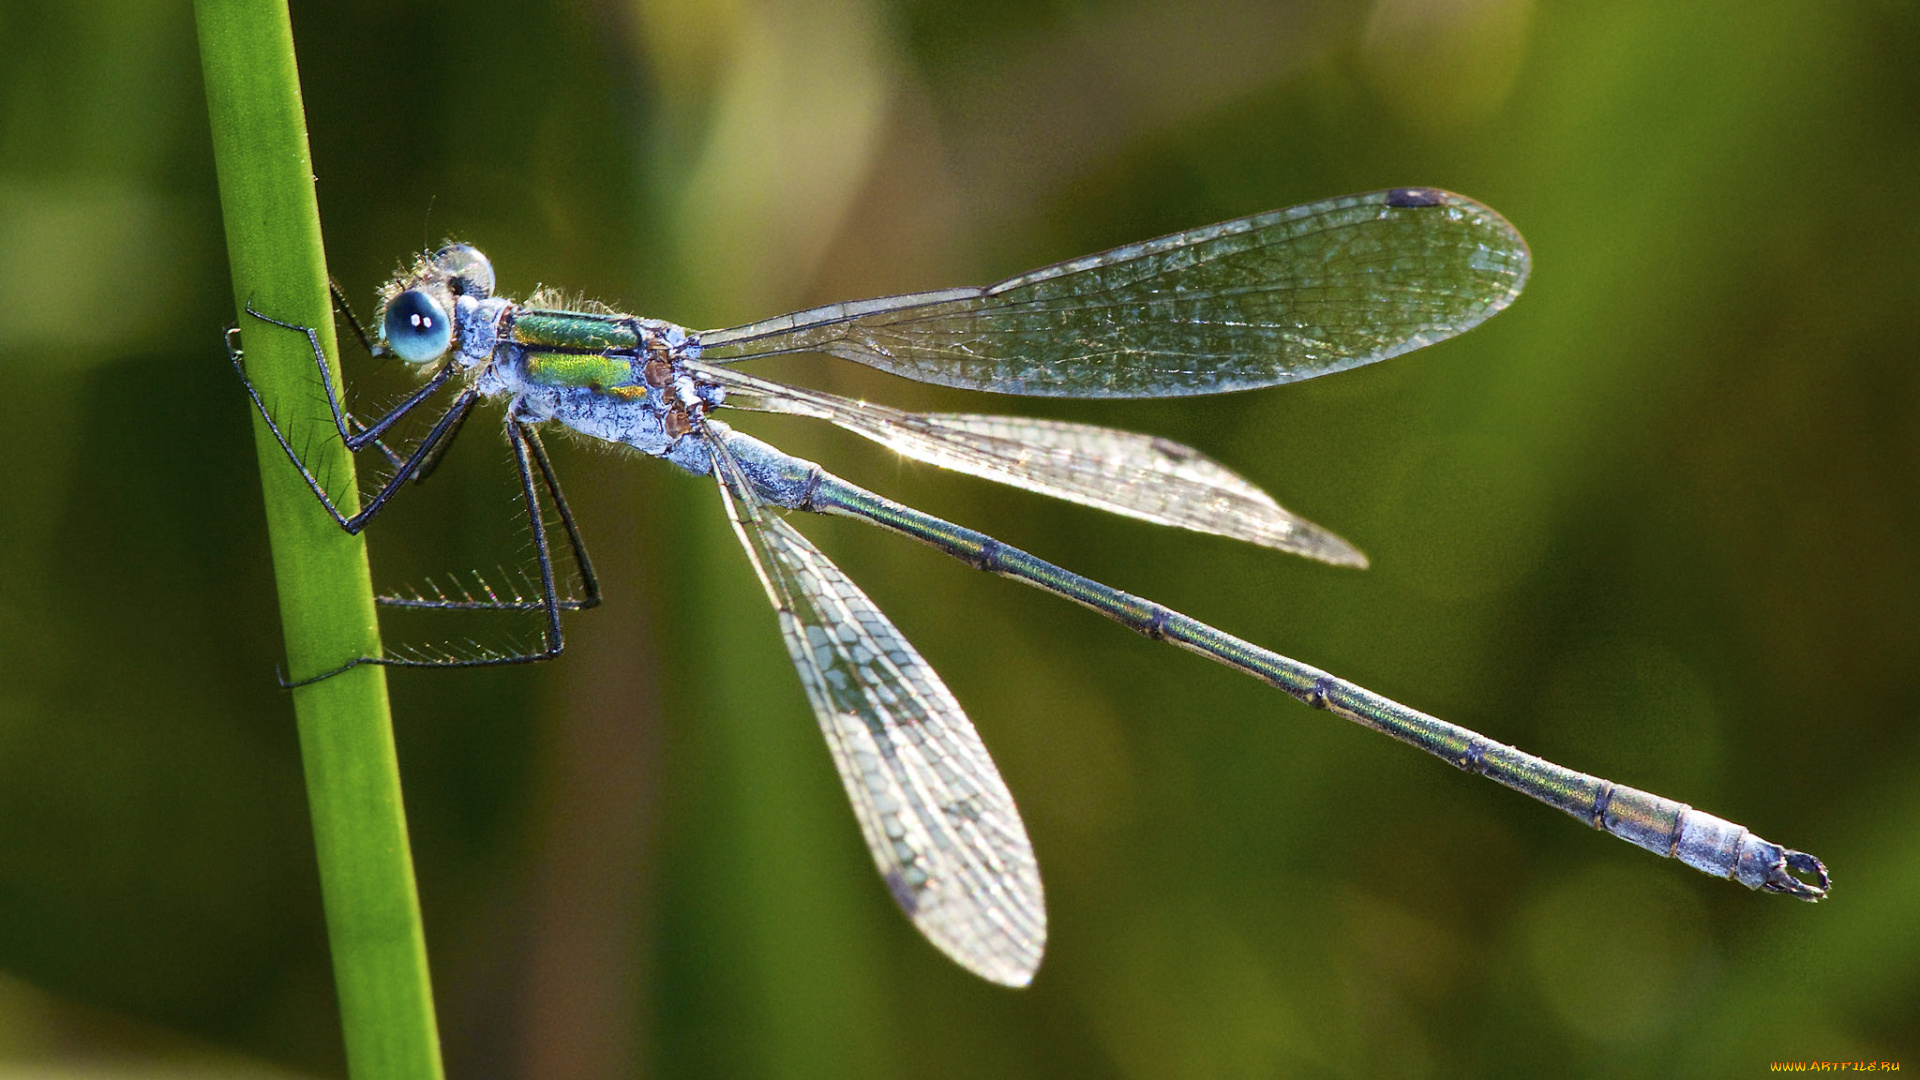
pixel 608 376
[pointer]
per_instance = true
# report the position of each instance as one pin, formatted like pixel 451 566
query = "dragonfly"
pixel 1273 298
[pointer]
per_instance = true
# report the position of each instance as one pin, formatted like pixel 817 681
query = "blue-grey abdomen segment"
pixel 1667 828
pixel 778 478
pixel 1662 826
pixel 1707 843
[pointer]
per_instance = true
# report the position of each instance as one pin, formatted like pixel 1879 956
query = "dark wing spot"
pixel 1415 196
pixel 903 894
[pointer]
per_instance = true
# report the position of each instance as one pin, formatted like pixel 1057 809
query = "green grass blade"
pixel 326 596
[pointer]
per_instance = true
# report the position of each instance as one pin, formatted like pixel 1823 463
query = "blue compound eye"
pixel 416 328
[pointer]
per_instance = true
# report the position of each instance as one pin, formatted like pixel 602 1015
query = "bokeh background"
pixel 1659 521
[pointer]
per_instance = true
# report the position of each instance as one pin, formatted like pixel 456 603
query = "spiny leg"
pixel 520 435
pixel 340 305
pixel 589 581
pixel 521 438
pixel 442 430
pixel 354 523
pixel 529 457
pixel 368 432
pixel 377 351
pixel 432 461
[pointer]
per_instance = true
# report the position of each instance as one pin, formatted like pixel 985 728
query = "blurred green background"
pixel 1660 521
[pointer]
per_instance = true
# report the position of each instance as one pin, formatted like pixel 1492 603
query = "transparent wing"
pixel 1122 472
pixel 938 819
pixel 1271 298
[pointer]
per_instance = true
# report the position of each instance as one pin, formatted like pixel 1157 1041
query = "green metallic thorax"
pixel 567 348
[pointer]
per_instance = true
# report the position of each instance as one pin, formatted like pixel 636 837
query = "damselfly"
pixel 1272 298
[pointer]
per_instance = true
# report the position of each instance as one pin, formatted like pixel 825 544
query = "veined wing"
pixel 1272 298
pixel 1122 472
pixel 938 819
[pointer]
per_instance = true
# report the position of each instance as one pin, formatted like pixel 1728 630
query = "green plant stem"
pixel 326 596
